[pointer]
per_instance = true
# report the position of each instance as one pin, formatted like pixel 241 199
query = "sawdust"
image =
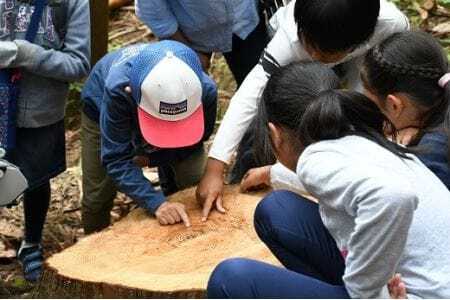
pixel 139 253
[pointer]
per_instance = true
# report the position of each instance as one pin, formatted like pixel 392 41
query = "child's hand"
pixel 396 287
pixel 172 213
pixel 257 178
pixel 210 189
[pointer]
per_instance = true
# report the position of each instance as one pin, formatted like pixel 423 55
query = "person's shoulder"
pixel 391 18
pixel 286 22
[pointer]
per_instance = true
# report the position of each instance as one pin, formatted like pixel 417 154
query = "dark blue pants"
pixel 293 230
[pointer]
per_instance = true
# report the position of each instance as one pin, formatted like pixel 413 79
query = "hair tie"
pixel 444 80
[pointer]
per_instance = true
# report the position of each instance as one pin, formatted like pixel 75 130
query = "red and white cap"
pixel 170 109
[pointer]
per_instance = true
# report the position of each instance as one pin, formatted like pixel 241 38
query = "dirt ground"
pixel 63 227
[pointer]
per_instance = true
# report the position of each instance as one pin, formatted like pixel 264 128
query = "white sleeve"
pixel 281 178
pixel 242 110
pixel 244 104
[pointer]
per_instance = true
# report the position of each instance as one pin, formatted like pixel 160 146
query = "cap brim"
pixel 172 134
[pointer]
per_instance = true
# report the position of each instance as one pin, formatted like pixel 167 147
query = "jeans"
pixel 246 53
pixel 292 229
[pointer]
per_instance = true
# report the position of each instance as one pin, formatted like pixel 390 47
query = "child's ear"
pixel 275 136
pixel 395 105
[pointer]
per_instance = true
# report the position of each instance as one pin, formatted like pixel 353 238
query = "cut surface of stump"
pixel 137 257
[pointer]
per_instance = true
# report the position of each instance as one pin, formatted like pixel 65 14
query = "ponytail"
pixel 336 114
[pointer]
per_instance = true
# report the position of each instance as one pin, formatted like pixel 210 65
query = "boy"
pixel 164 119
pixel 335 32
pixel 60 54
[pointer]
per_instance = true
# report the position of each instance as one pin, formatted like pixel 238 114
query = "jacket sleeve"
pixel 117 151
pixel 382 207
pixel 209 105
pixel 281 178
pixel 244 104
pixel 72 61
pixel 157 15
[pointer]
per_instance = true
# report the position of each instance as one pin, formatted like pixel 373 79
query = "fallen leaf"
pixel 442 28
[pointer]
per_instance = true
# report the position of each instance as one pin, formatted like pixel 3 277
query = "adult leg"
pixel 244 279
pixel 246 53
pixel 99 190
pixel 291 227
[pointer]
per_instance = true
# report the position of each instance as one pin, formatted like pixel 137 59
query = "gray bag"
pixel 12 182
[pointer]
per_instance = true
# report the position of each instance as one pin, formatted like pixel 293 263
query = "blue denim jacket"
pixel 209 25
pixel 434 154
pixel 106 102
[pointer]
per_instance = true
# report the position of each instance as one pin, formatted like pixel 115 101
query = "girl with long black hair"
pixel 408 77
pixel 380 212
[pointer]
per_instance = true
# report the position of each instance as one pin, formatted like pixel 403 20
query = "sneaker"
pixel 32 261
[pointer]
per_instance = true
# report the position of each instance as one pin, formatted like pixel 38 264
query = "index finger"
pixel 219 205
pixel 184 216
pixel 207 207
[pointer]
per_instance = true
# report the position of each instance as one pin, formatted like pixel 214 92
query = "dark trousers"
pixel 36 202
pixel 246 53
pixel 293 230
pixel 40 155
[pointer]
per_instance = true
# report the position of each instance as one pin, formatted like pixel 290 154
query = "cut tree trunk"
pixel 136 257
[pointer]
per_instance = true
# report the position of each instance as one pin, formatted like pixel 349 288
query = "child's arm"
pixel 244 104
pixel 71 62
pixel 281 178
pixel 382 207
pixel 117 151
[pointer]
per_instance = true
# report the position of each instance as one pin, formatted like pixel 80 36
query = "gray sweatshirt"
pixel 49 65
pixel 387 214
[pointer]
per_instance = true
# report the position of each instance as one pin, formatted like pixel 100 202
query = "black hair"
pixel 412 63
pixel 303 100
pixel 336 25
pixel 286 96
pixel 337 113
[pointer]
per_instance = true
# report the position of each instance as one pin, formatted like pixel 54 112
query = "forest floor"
pixel 63 226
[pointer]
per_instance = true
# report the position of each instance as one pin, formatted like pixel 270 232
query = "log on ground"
pixel 136 257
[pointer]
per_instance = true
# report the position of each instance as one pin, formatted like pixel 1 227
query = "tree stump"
pixel 136 257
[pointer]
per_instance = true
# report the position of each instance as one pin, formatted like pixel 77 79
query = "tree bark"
pixel 114 4
pixel 138 258
pixel 99 29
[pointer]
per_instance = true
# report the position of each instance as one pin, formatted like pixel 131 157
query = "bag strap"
pixel 59 16
pixel 36 17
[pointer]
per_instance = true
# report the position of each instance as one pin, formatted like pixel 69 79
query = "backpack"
pixel 59 16
pixel 9 86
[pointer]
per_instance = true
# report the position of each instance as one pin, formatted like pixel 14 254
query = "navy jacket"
pixel 434 154
pixel 106 102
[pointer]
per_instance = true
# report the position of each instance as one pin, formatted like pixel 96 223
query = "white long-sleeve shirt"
pixel 286 48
